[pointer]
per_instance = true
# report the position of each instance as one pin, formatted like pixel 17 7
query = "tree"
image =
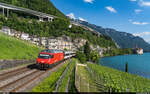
pixel 87 50
pixel 65 49
pixel 81 56
pixel 95 57
pixel 1 24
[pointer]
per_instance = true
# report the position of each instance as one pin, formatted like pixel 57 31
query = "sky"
pixel 131 16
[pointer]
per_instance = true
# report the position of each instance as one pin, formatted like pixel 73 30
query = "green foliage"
pixel 95 57
pixel 56 28
pixel 72 87
pixel 12 48
pixel 65 49
pixel 1 24
pixel 120 81
pixel 33 27
pixel 114 52
pixel 64 83
pixel 48 85
pixel 44 6
pixel 87 50
pixel 84 81
pixel 81 56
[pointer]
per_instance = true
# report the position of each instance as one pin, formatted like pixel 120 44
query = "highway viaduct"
pixel 40 15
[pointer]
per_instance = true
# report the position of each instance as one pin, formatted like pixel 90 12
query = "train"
pixel 50 57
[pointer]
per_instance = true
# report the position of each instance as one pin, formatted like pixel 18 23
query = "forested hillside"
pixel 56 28
pixel 44 6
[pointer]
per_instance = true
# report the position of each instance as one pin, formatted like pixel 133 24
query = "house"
pixel 13 32
pixel 6 30
pixel 138 50
pixel 25 36
pixel 44 41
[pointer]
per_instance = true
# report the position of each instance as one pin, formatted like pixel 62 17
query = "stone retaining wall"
pixel 13 63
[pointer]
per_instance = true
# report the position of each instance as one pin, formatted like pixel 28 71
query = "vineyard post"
pixel 88 85
pixel 79 84
pixel 126 69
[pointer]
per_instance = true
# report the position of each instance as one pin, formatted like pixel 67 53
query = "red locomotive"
pixel 49 57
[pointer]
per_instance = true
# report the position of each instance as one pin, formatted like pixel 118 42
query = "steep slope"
pixel 12 48
pixel 44 6
pixel 123 39
pixel 58 27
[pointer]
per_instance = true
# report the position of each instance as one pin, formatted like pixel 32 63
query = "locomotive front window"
pixel 45 56
pixel 51 56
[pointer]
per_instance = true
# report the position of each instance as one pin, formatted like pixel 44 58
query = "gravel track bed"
pixel 13 79
pixel 10 86
pixel 25 79
pixel 13 63
pixel 13 69
pixel 10 74
pixel 35 82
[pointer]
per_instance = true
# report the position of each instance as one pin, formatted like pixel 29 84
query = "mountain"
pixel 123 39
pixel 44 6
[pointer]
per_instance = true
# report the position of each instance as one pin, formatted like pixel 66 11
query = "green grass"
pixel 48 85
pixel 72 87
pixel 120 81
pixel 12 48
pixel 64 83
pixel 84 80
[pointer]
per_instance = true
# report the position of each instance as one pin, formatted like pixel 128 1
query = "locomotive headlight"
pixel 42 61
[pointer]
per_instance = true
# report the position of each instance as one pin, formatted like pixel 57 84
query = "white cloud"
pixel 132 0
pixel 89 1
pixel 111 9
pixel 140 23
pixel 138 11
pixel 144 35
pixel 82 19
pixel 144 3
pixel 137 22
pixel 71 15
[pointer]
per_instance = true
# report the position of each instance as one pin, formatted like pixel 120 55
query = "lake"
pixel 137 64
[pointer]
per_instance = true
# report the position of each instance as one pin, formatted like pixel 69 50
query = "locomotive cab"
pixel 44 60
pixel 49 57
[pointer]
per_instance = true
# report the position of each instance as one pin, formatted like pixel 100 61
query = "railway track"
pixel 9 74
pixel 14 80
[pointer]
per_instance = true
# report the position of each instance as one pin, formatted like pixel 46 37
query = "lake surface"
pixel 137 64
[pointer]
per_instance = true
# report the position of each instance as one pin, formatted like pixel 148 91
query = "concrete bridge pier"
pixel 41 19
pixel 3 11
pixel 7 12
pixel 50 19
